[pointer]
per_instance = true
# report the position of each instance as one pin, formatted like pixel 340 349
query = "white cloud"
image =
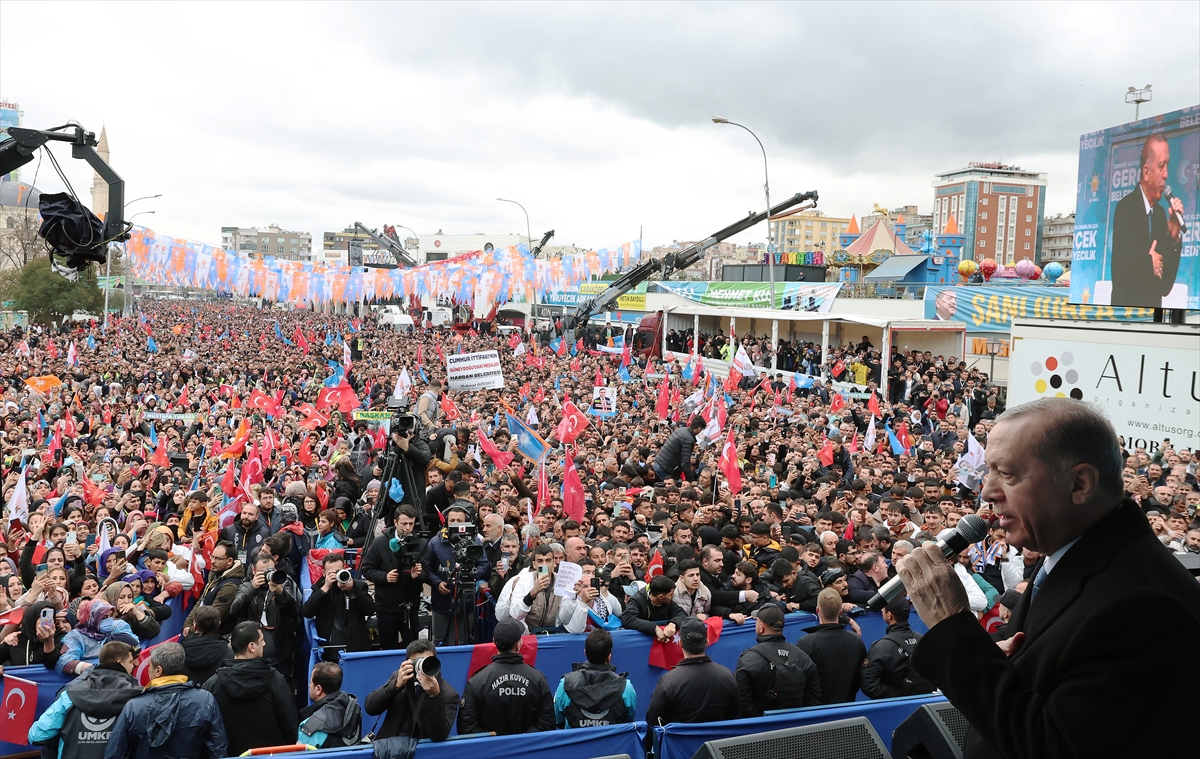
pixel 595 117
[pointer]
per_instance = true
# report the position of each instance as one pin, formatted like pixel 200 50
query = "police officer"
pixel 888 673
pixel 508 696
pixel 595 693
pixel 774 674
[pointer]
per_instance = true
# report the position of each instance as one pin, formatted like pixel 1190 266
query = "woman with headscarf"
pixel 147 586
pixel 81 647
pixel 120 596
pixel 36 642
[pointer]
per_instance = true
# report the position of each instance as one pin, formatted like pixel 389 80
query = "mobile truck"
pixel 1144 377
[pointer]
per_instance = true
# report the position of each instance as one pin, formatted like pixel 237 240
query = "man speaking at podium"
pixel 1101 659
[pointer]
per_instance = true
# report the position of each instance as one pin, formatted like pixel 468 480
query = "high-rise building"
pixel 998 209
pixel 807 232
pixel 268 241
pixel 1059 240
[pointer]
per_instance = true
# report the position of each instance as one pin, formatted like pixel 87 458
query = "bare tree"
pixel 19 240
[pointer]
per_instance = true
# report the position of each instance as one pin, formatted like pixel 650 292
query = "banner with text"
pixel 991 308
pixel 789 296
pixel 634 300
pixel 474 371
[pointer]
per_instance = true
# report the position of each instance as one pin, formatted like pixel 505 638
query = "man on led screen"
pixel 1147 239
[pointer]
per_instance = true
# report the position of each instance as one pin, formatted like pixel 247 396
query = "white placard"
pixel 569 573
pixel 604 401
pixel 474 371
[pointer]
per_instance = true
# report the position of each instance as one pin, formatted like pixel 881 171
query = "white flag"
pixel 869 441
pixel 346 355
pixel 742 363
pixel 403 384
pixel 519 350
pixel 532 417
pixel 971 467
pixel 72 356
pixel 18 503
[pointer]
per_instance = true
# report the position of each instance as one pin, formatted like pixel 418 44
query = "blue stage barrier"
pixel 558 744
pixel 682 741
pixel 173 625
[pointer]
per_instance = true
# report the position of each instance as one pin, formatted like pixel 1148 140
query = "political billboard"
pixel 789 296
pixel 1136 214
pixel 991 308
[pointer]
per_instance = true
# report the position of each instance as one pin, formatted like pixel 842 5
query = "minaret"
pixel 99 186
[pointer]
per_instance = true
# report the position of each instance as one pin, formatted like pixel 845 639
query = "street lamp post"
pixel 1137 97
pixel 108 262
pixel 415 236
pixel 993 348
pixel 767 192
pixel 528 235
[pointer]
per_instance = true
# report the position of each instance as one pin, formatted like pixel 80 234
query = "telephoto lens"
pixel 428 665
pixel 278 576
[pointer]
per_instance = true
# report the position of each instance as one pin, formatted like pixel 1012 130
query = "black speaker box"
pixel 841 739
pixel 935 731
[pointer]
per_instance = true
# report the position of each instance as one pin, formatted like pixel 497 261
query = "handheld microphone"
pixel 970 529
pixel 1167 196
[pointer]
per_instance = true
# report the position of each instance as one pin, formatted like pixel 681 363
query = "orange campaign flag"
pixel 238 445
pixel 44 384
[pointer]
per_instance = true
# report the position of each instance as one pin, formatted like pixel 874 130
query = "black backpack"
pixel 913 683
pixel 785 688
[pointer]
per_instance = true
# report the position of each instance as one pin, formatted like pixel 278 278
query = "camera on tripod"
pixel 462 537
pixel 403 421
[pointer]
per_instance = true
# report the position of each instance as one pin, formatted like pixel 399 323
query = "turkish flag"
pixel 482 653
pixel 340 398
pixel 93 494
pixel 731 382
pixel 655 566
pixel 20 708
pixel 837 403
pixel 183 399
pixel 729 464
pixel 573 423
pixel 305 454
pixel 664 399
pixel 838 368
pixel 873 406
pixel 160 457
pixel 142 671
pixel 451 411
pixel 825 455
pixel 540 395
pixel 499 458
pixel 12 616
pixel 668 654
pixel 260 401
pixel 229 482
pixel 562 347
pixel 312 418
pixel 572 491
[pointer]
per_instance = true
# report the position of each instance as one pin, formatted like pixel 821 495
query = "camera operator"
pixel 454 561
pixel 393 564
pixel 270 598
pixel 413 456
pixel 341 606
pixel 417 701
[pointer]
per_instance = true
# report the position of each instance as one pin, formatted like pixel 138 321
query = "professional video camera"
pixel 408 550
pixel 403 421
pixel 71 231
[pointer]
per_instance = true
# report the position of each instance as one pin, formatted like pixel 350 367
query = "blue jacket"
pixel 171 721
pixel 77 647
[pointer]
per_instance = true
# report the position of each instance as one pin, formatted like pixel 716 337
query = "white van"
pixel 394 316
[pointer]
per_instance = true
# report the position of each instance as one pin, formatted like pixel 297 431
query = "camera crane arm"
pixel 386 243
pixel 22 143
pixel 673 262
pixel 538 248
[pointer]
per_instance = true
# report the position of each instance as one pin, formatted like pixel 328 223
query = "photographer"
pixel 454 560
pixel 416 703
pixel 393 564
pixel 270 597
pixel 341 606
pixel 412 456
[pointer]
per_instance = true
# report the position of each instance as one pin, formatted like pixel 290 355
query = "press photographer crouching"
pixel 393 564
pixel 455 563
pixel 415 700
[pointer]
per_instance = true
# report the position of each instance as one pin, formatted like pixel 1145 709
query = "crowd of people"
pixel 203 460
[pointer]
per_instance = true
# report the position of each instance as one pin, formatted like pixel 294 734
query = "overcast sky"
pixel 596 117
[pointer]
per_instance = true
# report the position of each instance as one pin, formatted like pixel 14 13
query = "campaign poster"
pixel 474 371
pixel 991 308
pixel 1136 214
pixel 604 402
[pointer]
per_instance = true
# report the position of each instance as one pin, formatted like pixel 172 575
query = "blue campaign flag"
pixel 352 327
pixel 153 435
pixel 151 345
pixel 555 344
pixel 897 448
pixel 224 335
pixel 623 373
pixel 59 503
pixel 396 490
pixel 619 341
pixel 424 376
pixel 557 385
pixel 91 343
pixel 279 334
pixel 728 400
pixel 339 374
pixel 689 371
pixel 529 443
pixel 329 338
